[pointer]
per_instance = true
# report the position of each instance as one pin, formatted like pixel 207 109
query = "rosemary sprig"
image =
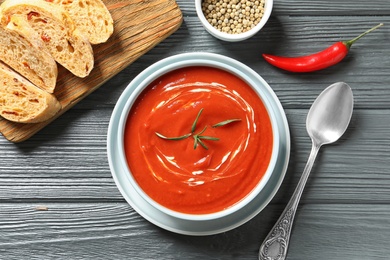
pixel 198 138
pixel 196 121
pixel 226 122
pixel 177 138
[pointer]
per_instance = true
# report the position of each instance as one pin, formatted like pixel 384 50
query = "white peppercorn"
pixel 233 16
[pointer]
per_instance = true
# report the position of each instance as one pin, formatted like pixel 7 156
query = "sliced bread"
pixel 26 54
pixel 63 40
pixel 23 102
pixel 91 17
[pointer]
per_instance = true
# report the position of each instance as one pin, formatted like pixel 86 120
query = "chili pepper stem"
pixel 350 42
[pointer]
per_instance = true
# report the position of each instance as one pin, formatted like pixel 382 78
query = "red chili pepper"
pixel 317 61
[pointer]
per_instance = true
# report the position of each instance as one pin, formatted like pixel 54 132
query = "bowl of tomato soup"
pixel 197 141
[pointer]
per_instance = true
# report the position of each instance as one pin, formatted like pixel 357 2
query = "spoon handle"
pixel 276 242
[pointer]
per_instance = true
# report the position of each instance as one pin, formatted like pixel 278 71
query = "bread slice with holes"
pixel 23 102
pixel 91 17
pixel 26 54
pixel 51 22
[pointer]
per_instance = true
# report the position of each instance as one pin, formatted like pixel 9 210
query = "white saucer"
pixel 201 227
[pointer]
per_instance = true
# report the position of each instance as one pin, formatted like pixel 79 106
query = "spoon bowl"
pixel 330 114
pixel 326 122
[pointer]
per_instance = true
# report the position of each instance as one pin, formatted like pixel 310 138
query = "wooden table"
pixel 59 201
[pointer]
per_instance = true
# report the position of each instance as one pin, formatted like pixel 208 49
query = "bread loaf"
pixel 27 55
pixel 91 17
pixel 23 102
pixel 63 40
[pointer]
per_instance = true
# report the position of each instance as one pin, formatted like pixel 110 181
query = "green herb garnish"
pixel 177 138
pixel 196 121
pixel 198 138
pixel 226 122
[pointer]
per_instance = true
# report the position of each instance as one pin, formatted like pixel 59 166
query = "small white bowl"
pixel 198 224
pixel 268 5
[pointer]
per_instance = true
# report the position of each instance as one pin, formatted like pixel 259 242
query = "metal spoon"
pixel 326 122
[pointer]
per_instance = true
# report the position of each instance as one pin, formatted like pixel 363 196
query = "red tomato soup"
pixel 198 140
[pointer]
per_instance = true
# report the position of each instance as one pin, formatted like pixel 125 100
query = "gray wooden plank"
pixel 72 164
pixel 115 231
pixel 315 7
pixel 365 68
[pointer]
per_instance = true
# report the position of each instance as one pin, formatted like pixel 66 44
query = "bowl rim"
pixel 201 61
pixel 268 6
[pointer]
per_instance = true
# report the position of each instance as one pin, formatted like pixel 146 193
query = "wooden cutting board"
pixel 139 25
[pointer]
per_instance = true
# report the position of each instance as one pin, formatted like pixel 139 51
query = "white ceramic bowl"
pixel 198 224
pixel 268 5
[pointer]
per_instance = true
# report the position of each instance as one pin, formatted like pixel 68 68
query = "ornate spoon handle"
pixel 276 243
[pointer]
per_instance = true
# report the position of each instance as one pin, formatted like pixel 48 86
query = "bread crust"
pixel 23 102
pixel 27 55
pixel 68 46
pixel 91 17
